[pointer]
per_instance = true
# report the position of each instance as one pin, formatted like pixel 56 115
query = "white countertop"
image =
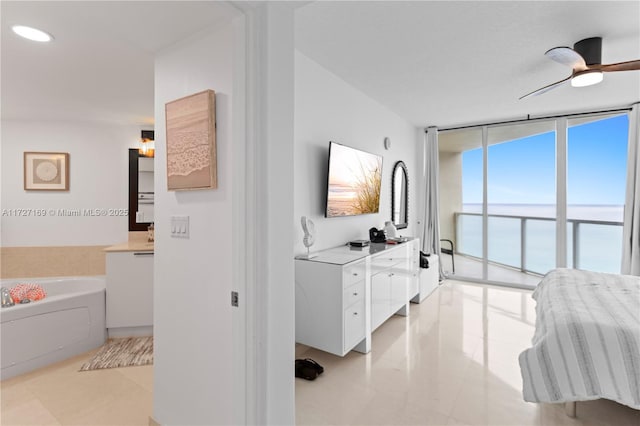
pixel 345 254
pixel 131 246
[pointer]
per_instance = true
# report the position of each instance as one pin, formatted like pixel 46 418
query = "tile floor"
pixel 60 395
pixel 471 269
pixel 453 361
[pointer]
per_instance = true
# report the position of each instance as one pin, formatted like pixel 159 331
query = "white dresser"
pixel 343 294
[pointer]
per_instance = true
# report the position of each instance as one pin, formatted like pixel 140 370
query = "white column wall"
pixel 193 378
pixel 450 192
pixel 240 233
pixel 270 179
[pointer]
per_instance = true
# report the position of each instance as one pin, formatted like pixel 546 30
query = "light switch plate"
pixel 179 226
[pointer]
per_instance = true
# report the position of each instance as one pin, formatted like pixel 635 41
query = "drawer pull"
pixel 355 313
pixel 355 294
pixel 145 253
pixel 355 274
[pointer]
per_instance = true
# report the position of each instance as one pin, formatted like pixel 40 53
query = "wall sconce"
pixel 146 143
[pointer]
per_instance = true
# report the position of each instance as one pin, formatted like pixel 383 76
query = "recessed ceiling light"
pixel 31 33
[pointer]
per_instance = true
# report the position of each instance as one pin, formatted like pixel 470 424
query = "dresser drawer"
pixel 351 274
pixel 354 330
pixel 386 260
pixel 353 294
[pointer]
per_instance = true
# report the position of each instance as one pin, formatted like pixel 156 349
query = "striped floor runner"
pixel 127 352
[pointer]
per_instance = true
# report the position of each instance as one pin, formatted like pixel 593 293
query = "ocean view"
pixel 608 213
pixel 598 245
pixel 517 172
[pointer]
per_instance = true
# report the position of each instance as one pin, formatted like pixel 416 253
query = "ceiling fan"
pixel 585 59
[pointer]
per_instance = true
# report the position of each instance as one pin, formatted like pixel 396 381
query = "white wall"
pixel 193 374
pixel 329 109
pixel 98 178
pixel 206 363
pixel 275 171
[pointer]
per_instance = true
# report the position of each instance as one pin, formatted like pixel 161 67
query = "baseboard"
pixel 120 332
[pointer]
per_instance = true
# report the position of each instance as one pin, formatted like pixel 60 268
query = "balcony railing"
pixel 528 243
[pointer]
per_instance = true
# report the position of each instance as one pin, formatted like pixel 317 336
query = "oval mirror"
pixel 400 195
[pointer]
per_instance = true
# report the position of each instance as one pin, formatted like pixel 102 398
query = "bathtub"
pixel 68 322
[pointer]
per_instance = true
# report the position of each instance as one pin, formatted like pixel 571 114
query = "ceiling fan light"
pixel 587 79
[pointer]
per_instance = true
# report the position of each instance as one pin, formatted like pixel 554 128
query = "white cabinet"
pixel 393 282
pixel 414 285
pixel 330 301
pixel 129 293
pixel 429 279
pixel 380 299
pixel 343 294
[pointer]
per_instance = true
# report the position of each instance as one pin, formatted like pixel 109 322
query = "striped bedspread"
pixel 587 339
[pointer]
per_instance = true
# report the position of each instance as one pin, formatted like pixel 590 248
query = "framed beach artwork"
pixel 46 171
pixel 191 142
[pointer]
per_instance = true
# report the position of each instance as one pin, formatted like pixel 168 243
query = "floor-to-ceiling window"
pixel 596 173
pixel 504 183
pixel 521 198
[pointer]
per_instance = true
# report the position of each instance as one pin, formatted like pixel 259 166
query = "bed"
pixel 586 343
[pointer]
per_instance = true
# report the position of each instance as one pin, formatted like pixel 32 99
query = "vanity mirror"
pixel 399 195
pixel 141 193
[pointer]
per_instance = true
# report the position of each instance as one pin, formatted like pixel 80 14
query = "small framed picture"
pixel 46 171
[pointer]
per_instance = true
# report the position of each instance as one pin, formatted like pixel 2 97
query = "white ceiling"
pixel 100 65
pixel 433 63
pixel 447 63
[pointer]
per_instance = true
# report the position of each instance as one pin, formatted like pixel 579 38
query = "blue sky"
pixel 523 171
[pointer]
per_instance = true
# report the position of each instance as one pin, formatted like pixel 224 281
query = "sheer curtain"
pixel 631 230
pixel 430 234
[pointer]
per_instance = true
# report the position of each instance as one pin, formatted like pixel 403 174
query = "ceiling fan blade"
pixel 546 88
pixel 567 56
pixel 620 66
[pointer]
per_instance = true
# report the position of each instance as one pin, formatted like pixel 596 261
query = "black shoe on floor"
pixel 308 369
pixel 316 365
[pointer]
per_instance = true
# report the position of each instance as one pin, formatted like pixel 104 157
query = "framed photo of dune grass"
pixel 191 142
pixel 354 181
pixel 46 171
